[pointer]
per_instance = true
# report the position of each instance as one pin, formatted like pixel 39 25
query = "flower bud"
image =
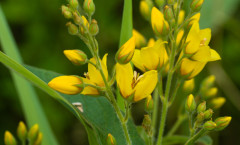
pixel 151 42
pixel 194 19
pixel 170 2
pixel 208 82
pixel 181 17
pixel 168 13
pixel 73 3
pixel 209 125
pixel 140 40
pixel 146 124
pixel 93 29
pixel 9 139
pixel 200 118
pixel 66 12
pixel 72 29
pixel 77 57
pixel 89 7
pixel 111 140
pixel 196 5
pixel 159 25
pixel 201 107
pixel 217 103
pixel 22 131
pixel 212 92
pixel 39 139
pixel 77 19
pixel 222 122
pixel 190 104
pixel 160 3
pixel 208 114
pixel 149 104
pixel 85 23
pixel 189 85
pixel 145 9
pixel 33 133
pixel 125 53
pixel 70 85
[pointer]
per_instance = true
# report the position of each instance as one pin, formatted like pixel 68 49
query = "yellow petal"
pixel 159 25
pixel 191 68
pixel 77 57
pixel 94 74
pixel 146 85
pixel 140 40
pixel 89 90
pixel 179 36
pixel 66 84
pixel 124 77
pixel 159 47
pixel 203 54
pixel 193 39
pixel 127 47
pixel 137 60
pixel 151 42
pixel 150 58
pixel 205 36
pixel 195 19
pixel 214 55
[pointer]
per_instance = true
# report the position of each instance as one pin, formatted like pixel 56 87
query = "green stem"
pixel 178 84
pixel 127 105
pixel 190 124
pixel 160 86
pixel 155 111
pixel 195 137
pixel 181 118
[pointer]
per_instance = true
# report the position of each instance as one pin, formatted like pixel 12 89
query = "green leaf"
pixel 31 107
pixel 179 139
pixel 125 35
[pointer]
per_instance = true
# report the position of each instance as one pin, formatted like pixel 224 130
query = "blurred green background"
pixel 41 35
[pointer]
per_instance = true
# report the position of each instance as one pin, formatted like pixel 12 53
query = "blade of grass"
pixel 31 106
pixel 126 33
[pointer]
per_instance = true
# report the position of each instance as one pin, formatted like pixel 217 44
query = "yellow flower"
pixel 159 25
pixel 218 102
pixel 140 40
pixel 9 139
pixel 151 58
pixel 132 84
pixel 125 53
pixel 77 57
pixel 194 19
pixel 94 77
pixel 66 84
pixel 189 85
pixel 85 23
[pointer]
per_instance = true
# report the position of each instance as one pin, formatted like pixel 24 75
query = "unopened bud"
pixel 22 131
pixel 159 25
pixel 111 140
pixel 9 139
pixel 189 85
pixel 85 24
pixel 196 5
pixel 222 122
pixel 77 57
pixel 151 42
pixel 33 133
pixel 77 19
pixel 210 93
pixel 140 40
pixel 66 12
pixel 89 7
pixel 190 104
pixel 170 2
pixel 72 29
pixel 209 125
pixel 201 107
pixel 145 8
pixel 160 3
pixel 208 82
pixel 200 118
pixel 217 103
pixel 93 29
pixel 149 104
pixel 147 124
pixel 194 19
pixel 73 3
pixel 208 114
pixel 125 53
pixel 39 139
pixel 168 13
pixel 70 85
